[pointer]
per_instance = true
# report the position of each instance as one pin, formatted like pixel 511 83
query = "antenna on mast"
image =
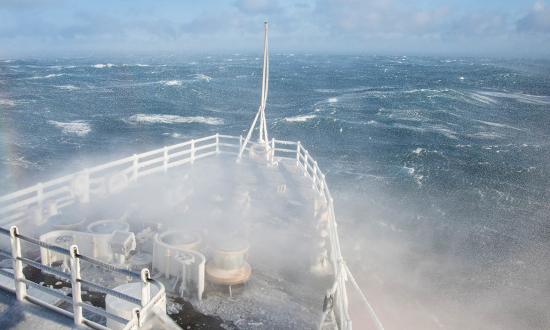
pixel 263 137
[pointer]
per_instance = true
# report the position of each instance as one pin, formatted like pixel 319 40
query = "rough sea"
pixel 439 166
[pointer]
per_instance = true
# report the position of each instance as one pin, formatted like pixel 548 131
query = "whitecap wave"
pixel 7 103
pixel 136 64
pixel 78 127
pixel 68 87
pixel 489 123
pixel 332 100
pixel 411 171
pixel 102 66
pixel 171 82
pixel 486 135
pixel 520 97
pixel 201 76
pixel 49 76
pixel 325 90
pixel 437 129
pixel 300 119
pixel 142 118
pixel 485 99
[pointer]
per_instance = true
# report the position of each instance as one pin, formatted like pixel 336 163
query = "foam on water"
pixel 489 123
pixel 137 65
pixel 520 97
pixel 300 119
pixel 103 66
pixel 482 98
pixel 171 82
pixel 203 77
pixel 49 76
pixel 418 151
pixel 173 119
pixel 7 102
pixel 68 87
pixel 77 128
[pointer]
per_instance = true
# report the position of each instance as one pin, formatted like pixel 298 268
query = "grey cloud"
pixel 537 20
pixel 379 17
pixel 479 25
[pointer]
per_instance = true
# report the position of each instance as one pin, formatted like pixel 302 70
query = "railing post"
pixel 240 142
pixel 136 318
pixel 145 287
pixel 217 143
pixel 165 162
pixel 76 285
pixel 18 276
pixel 323 185
pixel 305 163
pixel 272 151
pixel 192 151
pixel 314 174
pixel 135 167
pixel 298 146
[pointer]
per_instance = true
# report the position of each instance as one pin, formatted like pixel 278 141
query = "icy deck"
pixel 282 292
pixel 271 206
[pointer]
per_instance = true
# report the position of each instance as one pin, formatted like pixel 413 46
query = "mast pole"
pixel 263 136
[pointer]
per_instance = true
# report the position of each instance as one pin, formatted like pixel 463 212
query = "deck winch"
pixel 228 265
pixel 176 257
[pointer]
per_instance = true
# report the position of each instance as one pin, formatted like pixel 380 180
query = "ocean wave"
pixel 489 123
pixel 136 64
pixel 332 100
pixel 102 66
pixel 437 129
pixel 171 82
pixel 49 76
pixel 61 67
pixel 7 103
pixel 520 97
pixel 325 90
pixel 201 76
pixel 142 118
pixel 78 127
pixel 483 98
pixel 486 135
pixel 68 87
pixel 299 119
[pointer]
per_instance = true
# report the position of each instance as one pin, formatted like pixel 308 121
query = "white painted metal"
pixel 145 287
pixel 158 301
pixel 262 137
pixel 76 286
pixel 20 288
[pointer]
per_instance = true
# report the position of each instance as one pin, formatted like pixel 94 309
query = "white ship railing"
pixel 43 199
pixel 143 306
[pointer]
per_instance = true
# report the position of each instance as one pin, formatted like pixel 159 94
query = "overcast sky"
pixel 401 27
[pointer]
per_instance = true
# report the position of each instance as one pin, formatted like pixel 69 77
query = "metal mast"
pixel 262 138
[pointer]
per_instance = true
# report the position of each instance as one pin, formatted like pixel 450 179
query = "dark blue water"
pixel 444 158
